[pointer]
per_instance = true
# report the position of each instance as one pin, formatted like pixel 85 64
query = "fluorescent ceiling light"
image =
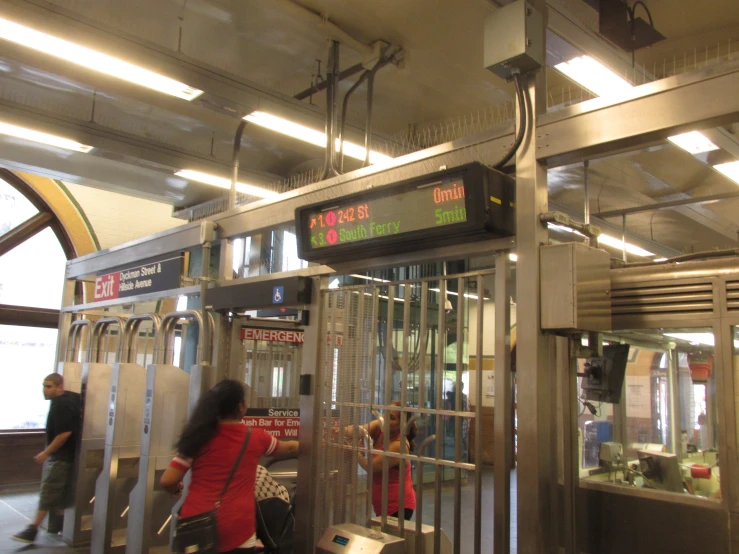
pixel 696 338
pixel 594 76
pixel 730 169
pixel 25 36
pixel 693 142
pixel 368 278
pixel 311 136
pixel 43 138
pixel 607 240
pixel 222 182
pixel 660 259
pixel 618 244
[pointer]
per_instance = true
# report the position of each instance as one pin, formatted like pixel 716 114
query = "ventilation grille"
pixel 673 299
pixel 732 296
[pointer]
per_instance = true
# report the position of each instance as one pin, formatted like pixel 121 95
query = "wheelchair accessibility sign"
pixel 278 295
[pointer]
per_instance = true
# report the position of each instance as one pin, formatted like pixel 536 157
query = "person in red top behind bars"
pixel 209 446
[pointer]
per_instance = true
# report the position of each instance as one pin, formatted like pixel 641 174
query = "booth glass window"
pixel 648 417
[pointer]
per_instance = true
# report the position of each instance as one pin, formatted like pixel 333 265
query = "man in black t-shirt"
pixel 62 426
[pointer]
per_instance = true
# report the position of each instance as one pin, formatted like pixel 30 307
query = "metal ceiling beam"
pixel 591 129
pixel 666 205
pixel 649 115
pixel 29 317
pixel 24 231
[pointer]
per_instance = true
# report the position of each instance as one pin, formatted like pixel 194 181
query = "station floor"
pixel 18 506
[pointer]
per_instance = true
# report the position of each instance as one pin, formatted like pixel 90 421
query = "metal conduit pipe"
pixel 329 169
pixel 370 95
pixel 73 338
pixel 167 328
pixel 100 327
pixel 235 162
pixel 344 105
pixel 131 330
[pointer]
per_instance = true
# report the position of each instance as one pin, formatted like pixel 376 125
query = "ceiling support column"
pixel 536 424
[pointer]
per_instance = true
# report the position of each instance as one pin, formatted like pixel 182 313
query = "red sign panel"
pixel 271 335
pixel 278 422
pixel 106 286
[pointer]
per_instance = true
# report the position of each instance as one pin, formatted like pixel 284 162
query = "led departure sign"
pixel 465 203
pixel 428 206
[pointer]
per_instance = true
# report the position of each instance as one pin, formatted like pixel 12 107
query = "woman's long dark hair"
pixel 220 402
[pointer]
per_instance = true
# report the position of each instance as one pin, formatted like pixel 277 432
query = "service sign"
pixel 281 423
pixel 152 275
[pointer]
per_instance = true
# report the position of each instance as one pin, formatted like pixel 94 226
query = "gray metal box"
pixel 514 38
pixel 575 288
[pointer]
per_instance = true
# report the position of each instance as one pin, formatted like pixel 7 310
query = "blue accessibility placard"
pixel 278 295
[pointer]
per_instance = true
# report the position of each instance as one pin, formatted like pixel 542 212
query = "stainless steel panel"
pixel 575 287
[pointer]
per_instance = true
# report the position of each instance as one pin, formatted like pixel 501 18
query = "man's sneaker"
pixel 27 535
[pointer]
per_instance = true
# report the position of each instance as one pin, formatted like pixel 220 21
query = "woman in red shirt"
pixel 374 430
pixel 209 446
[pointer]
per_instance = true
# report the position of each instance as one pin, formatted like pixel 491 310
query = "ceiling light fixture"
pixel 618 244
pixel 594 76
pixel 730 169
pixel 97 61
pixel 598 79
pixel 311 136
pixel 513 257
pixel 222 182
pixel 43 138
pixel 693 142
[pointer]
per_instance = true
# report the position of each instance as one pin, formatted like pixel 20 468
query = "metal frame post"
pixel 535 521
pixel 503 423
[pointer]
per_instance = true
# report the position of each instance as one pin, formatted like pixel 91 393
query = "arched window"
pixel 34 248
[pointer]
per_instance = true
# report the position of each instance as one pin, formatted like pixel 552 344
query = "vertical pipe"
pixel 343 382
pixel 675 411
pixel 586 187
pixel 388 398
pixel 423 331
pixel 457 418
pixel 368 123
pixel 331 92
pixel 478 412
pixel 373 389
pixel 357 399
pixel 204 330
pixel 440 348
pixel 503 424
pixel 403 401
pixel 327 410
pixel 235 163
pixel 567 370
pixel 623 237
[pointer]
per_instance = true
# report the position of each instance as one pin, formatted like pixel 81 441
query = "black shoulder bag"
pixel 199 534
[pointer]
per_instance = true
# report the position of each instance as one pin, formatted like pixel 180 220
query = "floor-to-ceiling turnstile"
pixel 123 439
pixel 410 341
pixel 270 357
pixel 95 388
pixel 168 390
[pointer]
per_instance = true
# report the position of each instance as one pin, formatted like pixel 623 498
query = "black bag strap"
pixel 235 467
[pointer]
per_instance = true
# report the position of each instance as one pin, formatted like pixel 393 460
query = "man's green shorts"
pixel 54 485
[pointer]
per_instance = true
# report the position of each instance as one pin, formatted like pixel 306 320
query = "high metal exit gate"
pixel 411 342
pixel 270 357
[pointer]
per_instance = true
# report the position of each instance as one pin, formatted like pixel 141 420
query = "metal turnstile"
pixel 95 388
pixel 122 442
pixel 350 538
pixel 165 413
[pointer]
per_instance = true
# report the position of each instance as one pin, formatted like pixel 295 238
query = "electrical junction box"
pixel 514 40
pixel 575 288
